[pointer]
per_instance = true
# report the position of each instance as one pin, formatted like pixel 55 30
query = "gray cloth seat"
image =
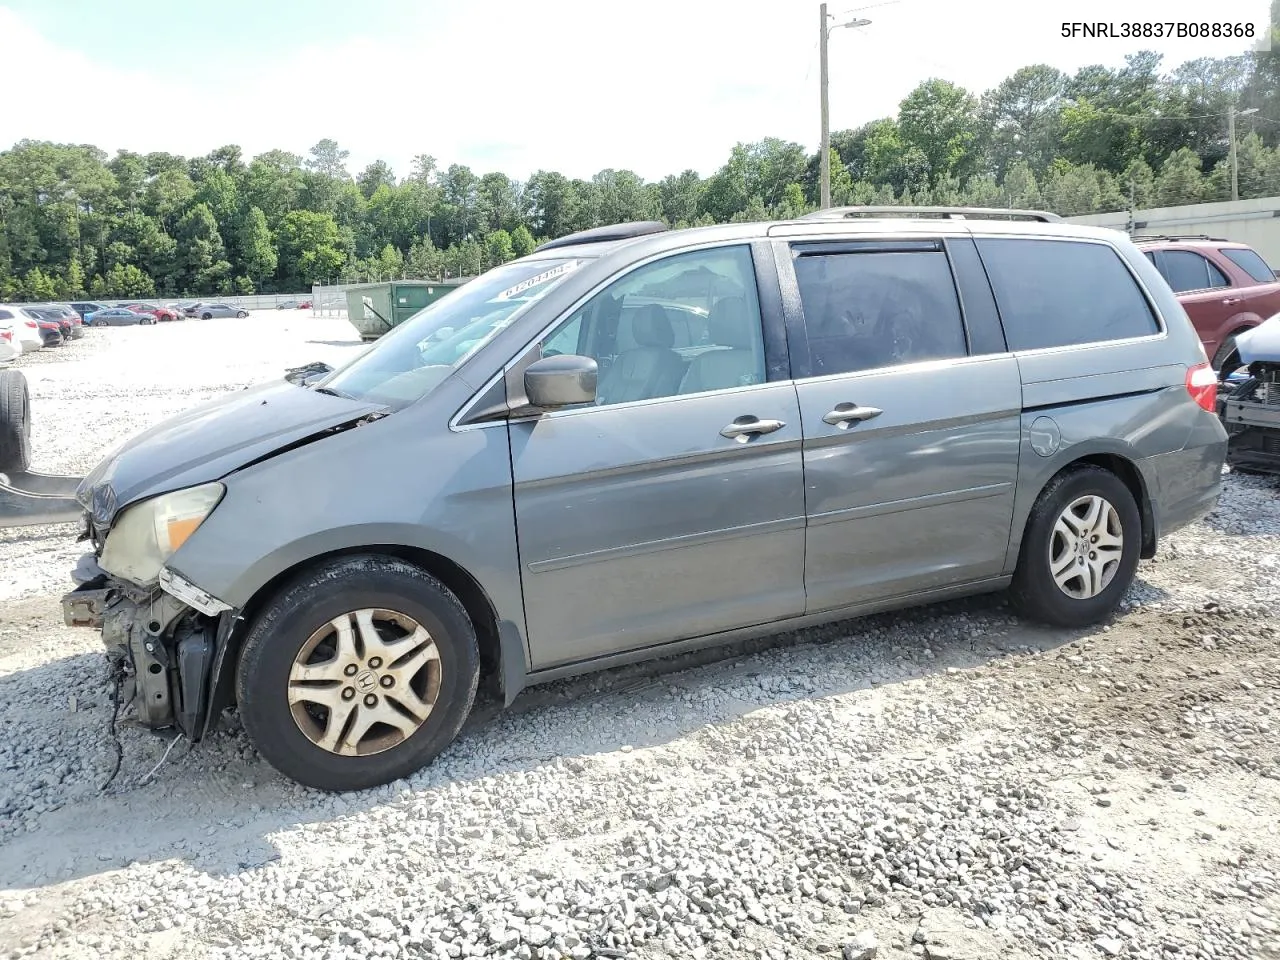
pixel 649 370
pixel 729 325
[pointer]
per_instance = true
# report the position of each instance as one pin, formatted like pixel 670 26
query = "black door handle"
pixel 847 413
pixel 745 427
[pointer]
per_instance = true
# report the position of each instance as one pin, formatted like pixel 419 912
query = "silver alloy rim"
pixel 1086 547
pixel 364 682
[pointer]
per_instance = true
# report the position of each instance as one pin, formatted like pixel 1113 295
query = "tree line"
pixel 75 222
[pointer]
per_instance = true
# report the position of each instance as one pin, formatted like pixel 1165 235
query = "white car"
pixel 25 330
pixel 10 346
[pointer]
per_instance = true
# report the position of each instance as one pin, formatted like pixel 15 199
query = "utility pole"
pixel 824 158
pixel 1231 143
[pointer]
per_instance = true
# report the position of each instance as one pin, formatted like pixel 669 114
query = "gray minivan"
pixel 636 441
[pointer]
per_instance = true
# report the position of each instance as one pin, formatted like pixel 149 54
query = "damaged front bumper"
pixel 167 642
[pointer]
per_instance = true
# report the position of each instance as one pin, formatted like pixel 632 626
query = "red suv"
pixel 1225 287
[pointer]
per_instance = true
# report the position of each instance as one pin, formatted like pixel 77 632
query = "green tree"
pixel 309 249
pixel 256 248
pixel 1180 181
pixel 940 120
pixel 522 242
pixel 38 285
pixel 498 248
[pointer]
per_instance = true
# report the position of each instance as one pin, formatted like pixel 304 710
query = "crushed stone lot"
pixel 943 783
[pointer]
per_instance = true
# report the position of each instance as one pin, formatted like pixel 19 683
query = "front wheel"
pixel 359 673
pixel 206 316
pixel 100 323
pixel 242 314
pixel 1080 549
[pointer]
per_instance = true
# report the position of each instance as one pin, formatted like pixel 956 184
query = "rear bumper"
pixel 1186 485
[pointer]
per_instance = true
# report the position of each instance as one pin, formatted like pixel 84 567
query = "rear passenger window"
pixel 863 311
pixel 5 315
pixel 1057 293
pixel 1186 270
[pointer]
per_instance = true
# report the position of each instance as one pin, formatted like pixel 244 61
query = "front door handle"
pixel 846 413
pixel 1230 300
pixel 745 427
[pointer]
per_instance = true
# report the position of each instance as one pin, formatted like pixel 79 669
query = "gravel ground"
pixel 944 783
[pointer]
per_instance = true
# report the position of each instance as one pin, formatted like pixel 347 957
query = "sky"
pixel 657 87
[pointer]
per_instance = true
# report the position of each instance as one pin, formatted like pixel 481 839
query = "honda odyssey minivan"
pixel 636 441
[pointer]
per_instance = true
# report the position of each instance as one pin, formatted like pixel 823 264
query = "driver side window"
pixel 684 324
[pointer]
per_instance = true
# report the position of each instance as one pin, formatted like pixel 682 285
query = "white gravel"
pixel 946 782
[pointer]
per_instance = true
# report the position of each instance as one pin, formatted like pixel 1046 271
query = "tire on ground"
pixel 15 422
pixel 1034 592
pixel 306 604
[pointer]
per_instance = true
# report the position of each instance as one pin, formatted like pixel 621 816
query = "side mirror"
pixel 561 381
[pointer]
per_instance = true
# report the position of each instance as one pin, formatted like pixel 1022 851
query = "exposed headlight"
pixel 148 533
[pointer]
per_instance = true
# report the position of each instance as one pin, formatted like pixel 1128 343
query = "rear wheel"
pixel 1227 360
pixel 206 316
pixel 1080 549
pixel 15 422
pixel 100 323
pixel 359 673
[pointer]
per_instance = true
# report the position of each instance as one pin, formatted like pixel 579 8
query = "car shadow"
pixel 217 806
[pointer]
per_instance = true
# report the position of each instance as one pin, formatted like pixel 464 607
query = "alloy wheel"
pixel 364 682
pixel 1086 547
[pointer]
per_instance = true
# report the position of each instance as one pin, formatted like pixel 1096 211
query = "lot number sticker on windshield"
pixel 543 277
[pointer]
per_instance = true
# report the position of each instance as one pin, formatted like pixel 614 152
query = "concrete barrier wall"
pixel 1255 222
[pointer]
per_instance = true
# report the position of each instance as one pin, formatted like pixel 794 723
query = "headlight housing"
pixel 147 534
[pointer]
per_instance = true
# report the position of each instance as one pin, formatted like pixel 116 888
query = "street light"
pixel 1231 138
pixel 825 158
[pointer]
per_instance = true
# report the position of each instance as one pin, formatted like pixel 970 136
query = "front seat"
pixel 648 370
pixel 729 325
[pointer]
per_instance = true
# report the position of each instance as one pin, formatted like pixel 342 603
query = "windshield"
pixel 417 355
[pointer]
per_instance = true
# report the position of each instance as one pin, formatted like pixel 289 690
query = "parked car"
pixel 10 345
pixel 878 413
pixel 1225 287
pixel 50 331
pixel 86 307
pixel 207 311
pixel 46 312
pixel 77 322
pixel 287 305
pixel 118 317
pixel 1250 405
pixel 159 312
pixel 192 308
pixel 26 329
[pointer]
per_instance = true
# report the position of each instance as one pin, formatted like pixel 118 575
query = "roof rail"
pixel 1158 237
pixel 946 213
pixel 616 231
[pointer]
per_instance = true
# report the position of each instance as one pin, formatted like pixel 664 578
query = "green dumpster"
pixel 374 308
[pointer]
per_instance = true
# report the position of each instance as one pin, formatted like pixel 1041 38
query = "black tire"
pixel 1226 350
pixel 1034 592
pixel 328 591
pixel 101 323
pixel 15 423
pixel 207 316
pixel 241 314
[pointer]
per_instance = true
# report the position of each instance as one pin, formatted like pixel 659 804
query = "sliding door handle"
pixel 847 413
pixel 746 427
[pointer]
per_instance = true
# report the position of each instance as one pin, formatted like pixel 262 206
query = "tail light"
pixel 1202 384
pixel 33 325
pixel 6 334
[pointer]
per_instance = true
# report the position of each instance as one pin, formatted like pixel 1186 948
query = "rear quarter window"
pixel 1251 263
pixel 1060 293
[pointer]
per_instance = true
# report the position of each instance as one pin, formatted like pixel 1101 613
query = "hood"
pixel 1262 343
pixel 209 441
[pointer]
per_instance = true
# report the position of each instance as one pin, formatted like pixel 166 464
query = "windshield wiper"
pixel 334 393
